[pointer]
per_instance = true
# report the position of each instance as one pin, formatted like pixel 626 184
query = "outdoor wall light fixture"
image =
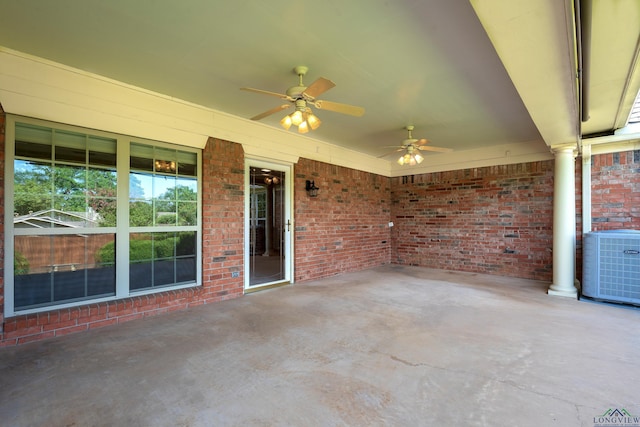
pixel 311 188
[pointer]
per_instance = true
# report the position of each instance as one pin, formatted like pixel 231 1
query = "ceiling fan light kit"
pixel 313 120
pixel 286 122
pixel 303 97
pixel 412 147
pixel 305 120
pixel 303 127
pixel 410 159
pixel 296 118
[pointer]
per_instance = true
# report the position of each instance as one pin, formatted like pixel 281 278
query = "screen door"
pixel 268 225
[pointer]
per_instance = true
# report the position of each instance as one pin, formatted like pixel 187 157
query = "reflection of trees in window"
pixel 167 190
pixel 140 214
pixel 32 187
pixel 71 189
pixel 177 204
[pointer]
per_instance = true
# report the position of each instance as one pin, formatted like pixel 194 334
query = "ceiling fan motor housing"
pixel 295 92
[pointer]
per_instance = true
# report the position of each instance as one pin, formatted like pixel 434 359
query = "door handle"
pixel 288 225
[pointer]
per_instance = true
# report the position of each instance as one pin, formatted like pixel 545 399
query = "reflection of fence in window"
pixel 61 268
pixel 44 254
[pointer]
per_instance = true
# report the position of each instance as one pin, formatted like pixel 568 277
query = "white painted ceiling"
pixel 466 74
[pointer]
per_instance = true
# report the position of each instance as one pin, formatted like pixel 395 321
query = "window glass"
pixel 166 197
pixel 163 197
pixel 77 155
pixel 160 259
pixel 164 187
pixel 53 269
pixel 70 146
pixel 141 157
pixel 187 213
pixel 187 189
pixel 102 151
pixel 102 196
pixel 187 163
pixel 33 187
pixel 65 228
pixel 34 133
pixel 165 161
pixel 33 150
pixel 70 189
pixel 140 199
pixel 187 169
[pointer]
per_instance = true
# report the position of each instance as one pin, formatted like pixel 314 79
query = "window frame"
pixel 121 230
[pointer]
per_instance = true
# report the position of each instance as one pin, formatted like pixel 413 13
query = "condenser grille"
pixel 619 268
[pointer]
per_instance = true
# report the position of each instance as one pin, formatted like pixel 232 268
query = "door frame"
pixel 287 168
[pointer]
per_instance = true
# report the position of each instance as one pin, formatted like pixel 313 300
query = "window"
pixel 163 213
pixel 72 234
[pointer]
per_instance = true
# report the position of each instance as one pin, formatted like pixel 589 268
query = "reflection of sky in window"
pixel 24 165
pixel 161 184
pixel 156 186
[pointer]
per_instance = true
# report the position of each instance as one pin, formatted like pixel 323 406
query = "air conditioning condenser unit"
pixel 611 266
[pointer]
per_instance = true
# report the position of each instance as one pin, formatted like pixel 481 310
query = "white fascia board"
pixel 35 87
pixel 506 154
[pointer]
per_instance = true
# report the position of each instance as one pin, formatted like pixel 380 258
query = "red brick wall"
pixel 222 246
pixel 223 218
pixel 495 220
pixel 615 191
pixel 346 227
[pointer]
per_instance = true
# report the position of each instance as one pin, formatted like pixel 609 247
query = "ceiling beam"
pixel 536 42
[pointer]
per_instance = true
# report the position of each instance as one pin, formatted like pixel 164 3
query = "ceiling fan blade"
pixel 339 108
pixel 318 87
pixel 266 92
pixel 430 148
pixel 270 112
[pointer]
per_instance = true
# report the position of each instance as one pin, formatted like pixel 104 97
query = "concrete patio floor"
pixel 392 346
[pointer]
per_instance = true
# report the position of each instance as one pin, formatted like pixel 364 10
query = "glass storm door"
pixel 267 225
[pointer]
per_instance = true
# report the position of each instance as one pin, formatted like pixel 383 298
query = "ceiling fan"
pixel 302 98
pixel 412 147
